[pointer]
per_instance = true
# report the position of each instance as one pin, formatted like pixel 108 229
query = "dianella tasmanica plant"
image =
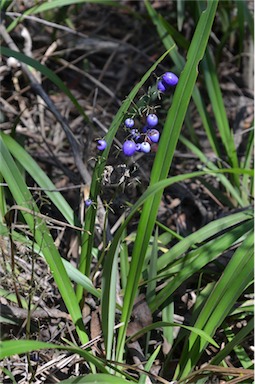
pixel 147 278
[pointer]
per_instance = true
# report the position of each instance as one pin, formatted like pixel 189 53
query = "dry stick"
pixel 9 312
pixel 46 218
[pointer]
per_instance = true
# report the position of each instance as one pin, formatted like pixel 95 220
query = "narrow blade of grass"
pixel 160 324
pixel 28 163
pixel 152 269
pixel 167 38
pixel 148 365
pixel 235 193
pixel 13 347
pixel 124 264
pixel 202 235
pixel 163 161
pixel 39 230
pixel 87 240
pixel 243 357
pixel 95 378
pixel 46 6
pixel 180 13
pixel 109 281
pixel 213 89
pixel 196 260
pixel 3 207
pixel 168 316
pixel 247 182
pixel 72 272
pixel 237 275
pixel 236 340
pixel 150 192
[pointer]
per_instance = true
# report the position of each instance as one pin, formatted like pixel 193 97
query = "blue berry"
pixel 101 145
pixel 153 135
pixel 138 147
pixel 169 79
pixel 152 120
pixel 145 147
pixel 88 202
pixel 129 147
pixel 129 123
pixel 161 87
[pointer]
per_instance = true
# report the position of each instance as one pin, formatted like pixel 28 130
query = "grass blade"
pixel 180 13
pixel 72 272
pixel 39 229
pixel 209 164
pixel 13 347
pixel 148 365
pixel 196 260
pixel 40 177
pixel 244 359
pixel 218 107
pixel 236 340
pixel 95 378
pixel 46 6
pixel 167 37
pixel 87 240
pixel 163 160
pixel 109 281
pixel 237 275
pixel 203 234
pixel 197 331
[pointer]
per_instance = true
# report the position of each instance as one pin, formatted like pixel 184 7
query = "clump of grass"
pixel 127 271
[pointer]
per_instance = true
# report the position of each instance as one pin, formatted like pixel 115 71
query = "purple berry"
pixel 129 147
pixel 169 79
pixel 88 202
pixel 152 120
pixel 145 147
pixel 101 145
pixel 161 87
pixel 153 135
pixel 129 123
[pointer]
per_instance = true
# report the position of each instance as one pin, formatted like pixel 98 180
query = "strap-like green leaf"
pixel 163 159
pixel 42 236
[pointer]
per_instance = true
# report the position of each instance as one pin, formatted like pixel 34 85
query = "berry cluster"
pixel 142 140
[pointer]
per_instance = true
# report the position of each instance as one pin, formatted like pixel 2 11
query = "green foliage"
pixel 40 231
pixel 143 267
